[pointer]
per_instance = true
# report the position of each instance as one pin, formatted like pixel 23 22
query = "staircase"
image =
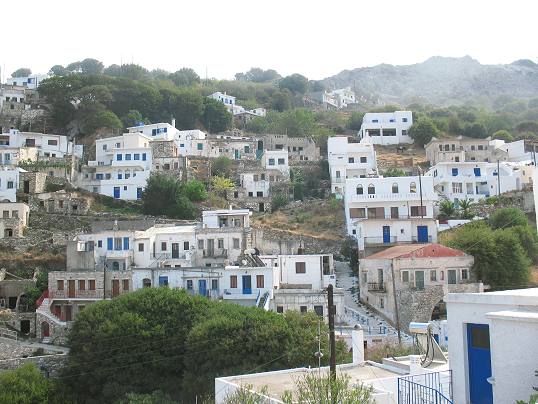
pixel 44 309
pixel 263 300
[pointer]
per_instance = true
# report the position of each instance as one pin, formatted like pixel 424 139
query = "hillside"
pixel 441 81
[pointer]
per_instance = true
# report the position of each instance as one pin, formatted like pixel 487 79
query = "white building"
pixel 237 110
pixel 386 128
pixel 276 160
pixel 493 350
pixel 31 82
pixel 344 97
pixel 474 181
pixel 226 99
pixel 47 145
pixel 121 168
pixel 349 160
pixel 9 183
pixel 388 211
pixel 14 219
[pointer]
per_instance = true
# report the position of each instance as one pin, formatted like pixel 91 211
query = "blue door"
pixel 202 287
pixel 476 171
pixel 479 361
pixel 138 193
pixel 422 232
pixel 117 192
pixel 247 286
pixel 386 234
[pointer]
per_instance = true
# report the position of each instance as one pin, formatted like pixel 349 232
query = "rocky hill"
pixel 441 81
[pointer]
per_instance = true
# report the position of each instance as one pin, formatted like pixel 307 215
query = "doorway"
pixel 115 287
pixel 479 362
pixel 71 288
pixel 202 287
pixel 45 329
pixel 261 207
pixel 419 280
pixel 247 285
pixel 175 250
pixel 386 234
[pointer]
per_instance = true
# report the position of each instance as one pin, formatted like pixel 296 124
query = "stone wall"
pixel 15 350
pixel 36 182
pixel 14 224
pixel 50 365
pixel 60 202
pixel 281 242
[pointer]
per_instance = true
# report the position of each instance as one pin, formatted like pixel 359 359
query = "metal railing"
pixel 379 240
pixel 427 388
pixel 416 239
pixel 376 287
pixel 217 253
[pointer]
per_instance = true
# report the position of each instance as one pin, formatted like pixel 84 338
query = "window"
pixel 303 309
pixel 236 243
pixel 163 246
pixel 91 284
pixel 454 172
pixel 464 274
pixel 200 244
pixel 418 210
pixel 271 162
pixel 363 160
pixel 10 185
pixel 136 156
pixel 60 285
pixel 318 310
pixel 51 142
pixel 280 309
pixel 233 281
pixel 381 303
pixel 163 281
pixel 117 243
pixel 360 190
pixel 351 160
pixel 281 162
pixel 404 119
pixel 140 247
pixel 405 276
pixel 442 275
pixel 82 284
pixel 220 243
pixel 128 156
pixel 337 174
pixel 394 212
pixel 456 187
pixel 413 188
pixel 433 275
pixel 300 267
pixel 371 189
pixel 119 157
pixel 5 214
pixel 260 282
pixel 125 284
pixel 364 277
pixel 200 146
pixel 100 243
pixel 395 188
pixel 214 284
pixel 143 156
pixel 186 246
pixel 357 213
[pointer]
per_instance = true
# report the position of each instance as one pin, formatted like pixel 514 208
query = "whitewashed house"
pixel 344 97
pixel 474 180
pixel 46 144
pixel 9 183
pixel 349 160
pixel 389 211
pixel 493 351
pixel 14 219
pixel 121 168
pixel 386 128
pixel 226 99
pixel 31 82
pixel 276 160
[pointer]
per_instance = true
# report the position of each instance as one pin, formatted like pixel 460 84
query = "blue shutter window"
pixel 98 176
pixel 99 243
pixel 109 243
pixel 119 176
pixel 153 132
pixel 126 243
pixel 119 157
pixel 477 172
pixel 200 146
pixel 454 172
pixel 128 156
pixel 136 156
pixel 143 156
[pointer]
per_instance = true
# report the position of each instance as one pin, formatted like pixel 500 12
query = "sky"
pixel 222 37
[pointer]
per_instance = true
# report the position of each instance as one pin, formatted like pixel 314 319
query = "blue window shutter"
pixel 119 157
pixel 128 156
pixel 109 243
pixel 454 172
pixel 137 156
pixel 119 176
pixel 144 156
pixel 126 243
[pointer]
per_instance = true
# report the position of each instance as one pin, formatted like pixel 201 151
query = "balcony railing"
pixel 218 253
pixel 76 294
pixel 371 241
pixel 416 239
pixel 393 217
pixel 376 287
pixel 119 254
pixel 393 197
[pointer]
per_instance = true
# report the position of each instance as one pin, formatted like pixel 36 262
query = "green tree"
pixel 454 126
pixel 475 130
pixel 185 77
pixel 102 119
pixel 133 118
pixel 216 117
pixel 221 167
pixel 423 130
pixel 281 100
pixel 355 121
pixel 163 195
pixel 503 135
pixel 91 66
pixel 507 217
pixel 529 126
pixel 447 209
pixel 296 83
pixel 25 385
pixel 157 397
pixel 21 72
pixel 394 172
pixel 350 251
pixel 528 240
pixel 131 71
pixel 257 75
pixel 58 70
pixel 195 191
pixel 187 107
pixel 465 206
pixel 279 200
pixel 221 185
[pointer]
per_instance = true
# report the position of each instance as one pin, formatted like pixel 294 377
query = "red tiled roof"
pixel 432 250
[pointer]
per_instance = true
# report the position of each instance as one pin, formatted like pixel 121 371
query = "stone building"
pixel 299 148
pixel 60 202
pixel 413 281
pixel 31 182
pixel 166 158
pixel 14 219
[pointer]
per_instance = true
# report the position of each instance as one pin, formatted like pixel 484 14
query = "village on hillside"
pixel 404 252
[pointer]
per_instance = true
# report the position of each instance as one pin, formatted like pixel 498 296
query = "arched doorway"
pixel 439 311
pixel 45 329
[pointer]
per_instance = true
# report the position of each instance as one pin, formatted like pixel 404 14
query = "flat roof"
pixel 278 382
pixel 515 297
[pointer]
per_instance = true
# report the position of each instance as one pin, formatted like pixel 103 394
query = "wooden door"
pixel 115 287
pixel 71 288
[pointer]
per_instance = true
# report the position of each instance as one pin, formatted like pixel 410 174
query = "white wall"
pixel 400 121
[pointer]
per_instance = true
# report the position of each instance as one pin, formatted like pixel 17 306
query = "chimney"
pixel 174 122
pixel 357 343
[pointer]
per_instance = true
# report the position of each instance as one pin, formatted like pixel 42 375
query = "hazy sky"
pixel 315 38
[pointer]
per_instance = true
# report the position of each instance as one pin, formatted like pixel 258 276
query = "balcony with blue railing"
pixel 427 388
pixel 243 294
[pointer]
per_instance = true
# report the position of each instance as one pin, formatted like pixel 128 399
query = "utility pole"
pixel 498 178
pixel 332 340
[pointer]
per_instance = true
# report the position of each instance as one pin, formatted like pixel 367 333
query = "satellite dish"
pixel 244 262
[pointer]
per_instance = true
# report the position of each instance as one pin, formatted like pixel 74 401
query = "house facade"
pixel 31 82
pixel 381 212
pixel 349 160
pixel 9 183
pixel 299 148
pixel 413 280
pixel 386 128
pixel 14 219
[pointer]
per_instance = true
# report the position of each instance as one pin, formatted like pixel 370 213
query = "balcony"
pixel 240 294
pixel 376 287
pixel 76 294
pixel 365 197
pixel 119 254
pixel 392 217
pixel 379 241
pixel 218 253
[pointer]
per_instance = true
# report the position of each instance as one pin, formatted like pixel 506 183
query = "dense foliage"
pixel 164 339
pixel 25 385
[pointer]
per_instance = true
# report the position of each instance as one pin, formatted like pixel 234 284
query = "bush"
pixel 279 201
pixel 507 217
pixel 195 191
pixel 25 385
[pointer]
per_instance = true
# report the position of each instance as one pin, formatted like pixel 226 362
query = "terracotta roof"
pixel 432 250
